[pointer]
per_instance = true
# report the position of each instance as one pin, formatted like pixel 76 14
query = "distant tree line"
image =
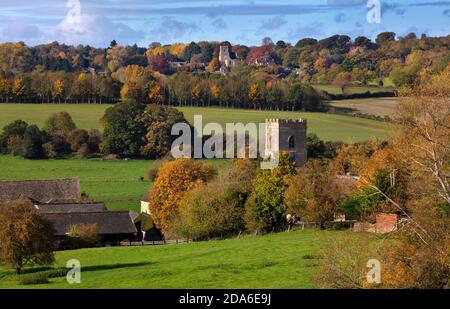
pixel 270 76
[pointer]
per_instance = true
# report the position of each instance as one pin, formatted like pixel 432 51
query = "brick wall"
pixel 386 223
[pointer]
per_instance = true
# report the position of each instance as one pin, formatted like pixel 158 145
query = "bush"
pixel 95 138
pixel 32 143
pixel 57 147
pixel 14 145
pixel 209 211
pixel 344 264
pixel 77 138
pixel 83 151
pixel 38 278
pixel 12 136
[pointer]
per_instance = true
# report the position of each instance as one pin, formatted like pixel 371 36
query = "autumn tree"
pixel 15 57
pixel 18 88
pixel 254 95
pixel 215 92
pixel 155 94
pixel 423 118
pixel 160 64
pixel 58 90
pixel 343 80
pixel 313 195
pixel 174 180
pixel 136 79
pixel 5 89
pixel 25 237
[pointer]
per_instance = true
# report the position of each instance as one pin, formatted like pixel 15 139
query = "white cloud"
pixel 94 30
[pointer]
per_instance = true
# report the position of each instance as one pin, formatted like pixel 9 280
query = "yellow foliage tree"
pixel 253 93
pixel 58 89
pixel 18 88
pixel 196 92
pixel 154 94
pixel 177 49
pixel 5 89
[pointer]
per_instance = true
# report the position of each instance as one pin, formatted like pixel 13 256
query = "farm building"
pixel 71 208
pixel 60 202
pixel 41 191
pixel 113 226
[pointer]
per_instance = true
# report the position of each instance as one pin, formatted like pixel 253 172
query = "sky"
pixel 98 22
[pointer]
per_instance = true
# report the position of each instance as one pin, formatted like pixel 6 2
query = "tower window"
pixel 291 142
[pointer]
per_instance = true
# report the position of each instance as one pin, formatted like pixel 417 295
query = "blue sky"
pixel 239 21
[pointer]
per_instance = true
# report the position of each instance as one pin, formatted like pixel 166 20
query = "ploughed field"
pixel 378 106
pixel 326 126
pixel 283 260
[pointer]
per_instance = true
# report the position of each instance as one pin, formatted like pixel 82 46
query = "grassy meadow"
pixel 283 260
pixel 326 126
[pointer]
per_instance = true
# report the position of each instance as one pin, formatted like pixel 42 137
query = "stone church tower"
pixel 285 135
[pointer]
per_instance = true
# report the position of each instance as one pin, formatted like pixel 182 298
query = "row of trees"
pixel 240 90
pixel 58 87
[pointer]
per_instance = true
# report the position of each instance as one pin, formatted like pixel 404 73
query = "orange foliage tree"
pixel 176 178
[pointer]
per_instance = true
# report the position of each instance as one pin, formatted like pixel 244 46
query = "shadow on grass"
pixel 114 266
pixel 341 110
pixel 50 270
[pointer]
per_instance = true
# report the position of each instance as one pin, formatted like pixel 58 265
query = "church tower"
pixel 286 135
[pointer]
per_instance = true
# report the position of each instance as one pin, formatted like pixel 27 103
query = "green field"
pixel 117 183
pixel 283 260
pixel 377 107
pixel 326 126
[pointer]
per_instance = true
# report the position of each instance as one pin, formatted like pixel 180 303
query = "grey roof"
pixel 43 191
pixel 69 208
pixel 112 222
pixel 134 215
